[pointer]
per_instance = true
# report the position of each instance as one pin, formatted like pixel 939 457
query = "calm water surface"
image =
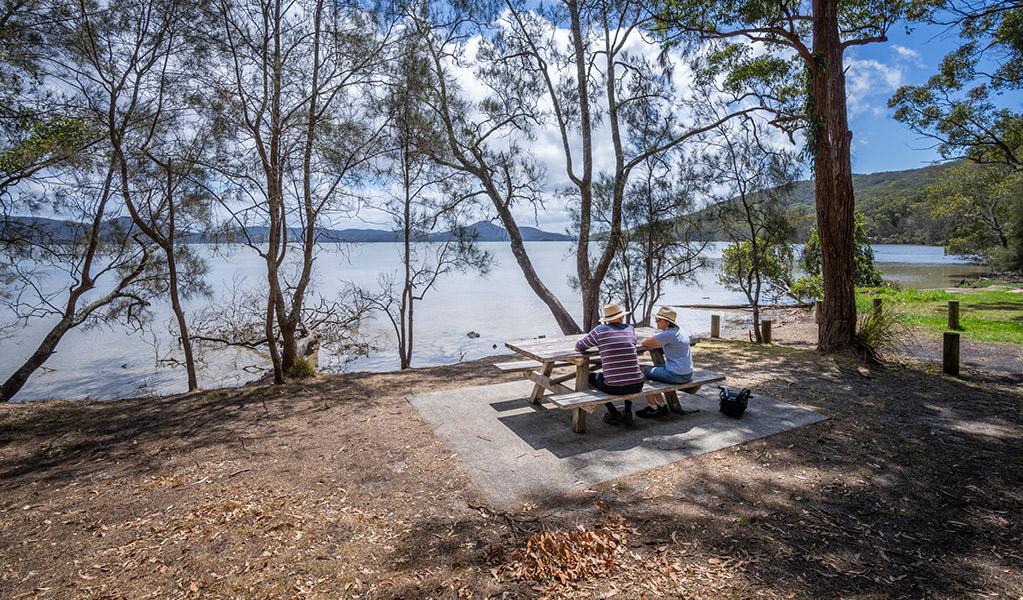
pixel 108 362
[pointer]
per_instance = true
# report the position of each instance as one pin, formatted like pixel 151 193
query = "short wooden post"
pixel 877 306
pixel 715 326
pixel 953 315
pixel 950 354
pixel 817 306
pixel 765 330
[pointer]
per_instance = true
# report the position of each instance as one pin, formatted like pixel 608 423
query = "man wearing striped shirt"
pixel 620 374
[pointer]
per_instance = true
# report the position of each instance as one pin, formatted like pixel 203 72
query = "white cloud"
pixel 869 83
pixel 909 54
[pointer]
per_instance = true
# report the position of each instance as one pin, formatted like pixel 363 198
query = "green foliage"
pixel 302 369
pixel 43 144
pixel 865 274
pixel 739 266
pixel 807 288
pixel 786 26
pixel 739 69
pixel 978 201
pixel 956 106
pixel 893 205
pixel 1014 253
pixel 879 333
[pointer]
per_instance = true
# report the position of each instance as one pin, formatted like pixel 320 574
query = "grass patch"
pixel 985 314
pixel 302 369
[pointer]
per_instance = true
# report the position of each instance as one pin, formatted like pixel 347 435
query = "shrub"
pixel 301 369
pixel 878 333
pixel 865 273
pixel 807 288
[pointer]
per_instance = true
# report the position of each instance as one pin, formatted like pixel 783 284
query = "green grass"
pixel 985 315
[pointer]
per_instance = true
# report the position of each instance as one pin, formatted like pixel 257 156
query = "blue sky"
pixel 874 72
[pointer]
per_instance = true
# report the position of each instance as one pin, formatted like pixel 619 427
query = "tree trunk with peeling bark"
pixel 833 181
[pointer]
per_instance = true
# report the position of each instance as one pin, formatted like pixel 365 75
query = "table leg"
pixel 579 420
pixel 582 375
pixel 538 389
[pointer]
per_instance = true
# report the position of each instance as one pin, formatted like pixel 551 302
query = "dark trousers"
pixel 597 381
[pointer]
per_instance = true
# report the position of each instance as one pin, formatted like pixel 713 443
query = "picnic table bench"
pixel 589 401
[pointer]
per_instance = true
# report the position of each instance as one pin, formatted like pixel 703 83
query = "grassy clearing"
pixel 990 314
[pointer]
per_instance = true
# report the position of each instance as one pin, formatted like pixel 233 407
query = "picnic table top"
pixel 563 347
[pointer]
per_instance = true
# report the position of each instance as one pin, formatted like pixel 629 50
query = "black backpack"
pixel 733 404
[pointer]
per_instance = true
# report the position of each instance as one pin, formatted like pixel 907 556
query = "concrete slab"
pixel 516 452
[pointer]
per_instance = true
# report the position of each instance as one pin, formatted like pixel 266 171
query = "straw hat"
pixel 612 311
pixel 667 314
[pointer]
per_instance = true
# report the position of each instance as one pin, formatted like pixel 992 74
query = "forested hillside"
pixel 892 203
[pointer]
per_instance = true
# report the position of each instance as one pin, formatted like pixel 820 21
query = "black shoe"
pixel 661 411
pixel 627 417
pixel 613 418
pixel 647 412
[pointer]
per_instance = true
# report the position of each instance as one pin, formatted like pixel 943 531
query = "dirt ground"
pixel 335 488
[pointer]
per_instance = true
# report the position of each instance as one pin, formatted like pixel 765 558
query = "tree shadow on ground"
pixel 911 490
pixel 86 439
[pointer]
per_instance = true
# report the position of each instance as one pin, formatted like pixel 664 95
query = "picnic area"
pixel 902 483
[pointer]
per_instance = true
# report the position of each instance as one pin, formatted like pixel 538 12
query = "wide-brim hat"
pixel 667 314
pixel 612 311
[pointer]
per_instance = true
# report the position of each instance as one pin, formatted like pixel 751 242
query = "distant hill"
pixel 487 232
pixel 892 204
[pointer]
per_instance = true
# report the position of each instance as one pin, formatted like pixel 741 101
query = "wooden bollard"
pixel 950 354
pixel 953 315
pixel 765 330
pixel 877 306
pixel 715 326
pixel 817 306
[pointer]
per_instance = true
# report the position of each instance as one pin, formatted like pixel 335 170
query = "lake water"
pixel 108 362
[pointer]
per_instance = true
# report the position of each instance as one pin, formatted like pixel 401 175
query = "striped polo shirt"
pixel 617 345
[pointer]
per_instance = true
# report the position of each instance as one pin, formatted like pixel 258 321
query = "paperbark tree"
pixel 428 203
pixel 596 85
pixel 816 35
pixel 291 81
pixel 484 139
pixel 754 178
pixel 660 236
pixel 537 82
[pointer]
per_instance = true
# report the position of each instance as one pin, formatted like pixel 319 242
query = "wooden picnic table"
pixel 545 354
pixel 550 351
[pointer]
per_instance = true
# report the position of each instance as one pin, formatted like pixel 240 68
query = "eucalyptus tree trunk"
pixel 829 130
pixel 588 284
